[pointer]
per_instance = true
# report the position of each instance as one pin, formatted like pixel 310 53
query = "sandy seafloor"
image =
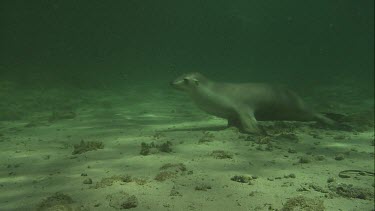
pixel 298 165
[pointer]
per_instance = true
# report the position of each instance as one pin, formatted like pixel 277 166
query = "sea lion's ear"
pixel 196 81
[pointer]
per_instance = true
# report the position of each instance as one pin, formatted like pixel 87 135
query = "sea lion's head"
pixel 188 82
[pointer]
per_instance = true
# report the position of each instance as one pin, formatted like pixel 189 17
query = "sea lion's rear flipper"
pixel 324 120
pixel 333 121
pixel 336 116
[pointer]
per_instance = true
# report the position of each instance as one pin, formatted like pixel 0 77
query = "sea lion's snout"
pixel 177 84
pixel 173 83
pixel 187 82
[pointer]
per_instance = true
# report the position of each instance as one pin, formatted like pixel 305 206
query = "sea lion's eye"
pixel 186 81
pixel 196 82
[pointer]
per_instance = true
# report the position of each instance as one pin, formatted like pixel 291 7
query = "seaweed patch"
pixel 83 147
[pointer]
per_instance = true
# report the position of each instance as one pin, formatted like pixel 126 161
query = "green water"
pixel 97 40
pixel 99 71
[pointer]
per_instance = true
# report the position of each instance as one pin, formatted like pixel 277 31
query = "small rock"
pixel 130 202
pixel 339 157
pixel 304 159
pixel 122 200
pixel 174 193
pixel 241 179
pixel 46 157
pixel 203 187
pixel 316 136
pixel 331 179
pixel 291 150
pixel 290 176
pixel 340 137
pixel 87 181
pixel 320 157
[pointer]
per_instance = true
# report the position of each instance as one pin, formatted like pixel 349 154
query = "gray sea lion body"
pixel 243 104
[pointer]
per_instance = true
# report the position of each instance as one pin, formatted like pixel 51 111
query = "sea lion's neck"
pixel 203 89
pixel 208 99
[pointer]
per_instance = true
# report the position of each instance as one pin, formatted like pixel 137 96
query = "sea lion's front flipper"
pixel 248 123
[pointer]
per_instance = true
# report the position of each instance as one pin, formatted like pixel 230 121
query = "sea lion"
pixel 243 104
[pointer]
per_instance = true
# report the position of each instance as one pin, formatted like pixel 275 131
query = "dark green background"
pixel 86 41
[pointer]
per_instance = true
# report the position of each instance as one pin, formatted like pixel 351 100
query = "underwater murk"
pixel 187 105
